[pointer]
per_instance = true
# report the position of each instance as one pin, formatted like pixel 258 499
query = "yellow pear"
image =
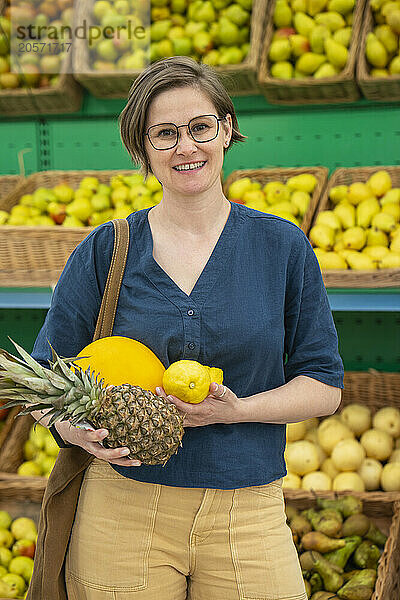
pixel 301 200
pixel 376 237
pixel 392 209
pixel 346 253
pixel 322 236
pixel 366 210
pixel 391 261
pixel 309 62
pixel 305 182
pixel 384 222
pixel 339 245
pixel 379 73
pixel 354 238
pixel 338 193
pixel 346 213
pixel 394 66
pixel 358 192
pixel 317 37
pixel 238 188
pixel 315 6
pixel 337 53
pixel 283 214
pixel 332 19
pixel 387 37
pixel 343 36
pixel 286 207
pixel 282 69
pixel 341 6
pixel 393 19
pixel 328 217
pixel 332 260
pixel 280 50
pixel 377 253
pixel 326 70
pixel 252 195
pixel 391 197
pixel 299 6
pixel 360 262
pixel 276 191
pixel 379 183
pixel 282 14
pixel 257 204
pixel 303 23
pixel 375 51
pixel 395 244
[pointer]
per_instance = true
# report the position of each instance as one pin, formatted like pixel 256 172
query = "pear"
pixel 358 192
pixel 375 51
pixel 341 556
pixel 326 70
pixel 376 237
pixel 338 193
pixel 392 196
pixel 383 221
pixel 341 6
pixel 276 191
pixel 309 62
pixel 315 540
pixel 393 20
pixel 237 15
pixel 331 578
pixel 395 244
pixel 387 37
pixel 376 253
pixel 22 566
pixel 332 260
pixel 282 14
pixel 303 23
pixel 360 586
pixel 204 12
pixel 392 209
pixel 322 236
pixel 280 50
pixel 238 188
pixel 365 211
pixel 301 200
pixel 305 182
pixel 346 213
pixel 379 73
pixel 333 20
pixel 299 44
pixel 286 207
pixel 390 261
pixel 337 53
pixel 282 70
pixel 328 217
pixel 354 238
pixel 343 36
pixel 315 6
pixel 394 66
pixel 317 37
pixel 379 183
pixel 14 586
pixel 202 42
pixel 360 262
pixel 228 32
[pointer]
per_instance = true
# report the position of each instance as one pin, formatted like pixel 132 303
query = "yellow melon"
pixel 120 360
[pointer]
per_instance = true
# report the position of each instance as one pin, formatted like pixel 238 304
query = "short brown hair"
pixel 166 74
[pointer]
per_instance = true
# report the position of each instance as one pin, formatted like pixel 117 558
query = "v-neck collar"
pixel 213 269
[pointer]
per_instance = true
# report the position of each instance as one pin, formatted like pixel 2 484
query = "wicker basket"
pixel 65 97
pixel 35 256
pixel 7 185
pixel 238 79
pixel 378 278
pixel 340 88
pixel 374 88
pixel 384 512
pixel 263 176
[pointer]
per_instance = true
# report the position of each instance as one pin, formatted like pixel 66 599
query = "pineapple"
pixel 150 426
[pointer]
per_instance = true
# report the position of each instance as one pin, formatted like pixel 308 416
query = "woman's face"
pixel 179 106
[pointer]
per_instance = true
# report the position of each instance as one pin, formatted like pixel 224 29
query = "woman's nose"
pixel 185 140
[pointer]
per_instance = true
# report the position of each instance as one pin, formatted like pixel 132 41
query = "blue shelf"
pixel 368 300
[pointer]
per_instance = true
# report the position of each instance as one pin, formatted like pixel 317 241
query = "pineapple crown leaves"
pixel 66 393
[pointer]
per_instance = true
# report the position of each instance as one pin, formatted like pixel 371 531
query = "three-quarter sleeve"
pixel 311 342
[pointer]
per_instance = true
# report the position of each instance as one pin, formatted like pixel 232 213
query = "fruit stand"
pixel 340 125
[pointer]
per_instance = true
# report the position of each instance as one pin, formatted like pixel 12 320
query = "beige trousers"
pixel 144 541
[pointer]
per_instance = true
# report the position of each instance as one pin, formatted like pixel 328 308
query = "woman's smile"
pixel 190 166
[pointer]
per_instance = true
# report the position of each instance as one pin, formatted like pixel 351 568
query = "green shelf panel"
pixel 364 342
pixel 16 136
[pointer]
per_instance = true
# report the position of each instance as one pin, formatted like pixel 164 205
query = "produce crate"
pixel 374 88
pixel 340 88
pixel 378 278
pixel 65 97
pixel 384 512
pixel 263 176
pixel 35 256
pixel 240 79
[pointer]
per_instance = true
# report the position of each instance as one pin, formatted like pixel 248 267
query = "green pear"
pixel 7 591
pixel 70 221
pixel 6 538
pixel 24 528
pixel 394 66
pixel 244 35
pixel 375 51
pixel 354 238
pixel 315 6
pixel 343 36
pixel 179 6
pixel 322 236
pixel 365 211
pixel 176 32
pixel 16 584
pixel 337 53
pixel 22 566
pixel 246 4
pixel 393 19
pixel 303 23
pixel 309 62
pixel 183 47
pixel 341 6
pixel 387 37
pixel 279 50
pixel 159 30
pixel 5 520
pixel 5 556
pixel 318 35
pixel 237 15
pixel 231 56
pixel 282 70
pixel 299 6
pixel 282 14
pixel 228 32
pixel 333 20
pixel 326 70
pixel 205 12
pixel 100 8
pixel 202 42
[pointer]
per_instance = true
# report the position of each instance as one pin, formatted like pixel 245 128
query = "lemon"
pixel 190 381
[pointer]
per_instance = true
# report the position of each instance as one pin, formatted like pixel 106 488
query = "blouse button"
pixel 191 345
pixel 190 312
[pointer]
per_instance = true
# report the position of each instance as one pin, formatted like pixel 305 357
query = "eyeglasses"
pixel 202 129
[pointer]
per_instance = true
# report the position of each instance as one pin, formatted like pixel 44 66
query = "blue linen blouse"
pixel 259 311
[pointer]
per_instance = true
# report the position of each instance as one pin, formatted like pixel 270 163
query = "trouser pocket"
pixel 113 530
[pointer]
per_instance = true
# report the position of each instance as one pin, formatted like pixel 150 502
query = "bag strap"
pixel 108 308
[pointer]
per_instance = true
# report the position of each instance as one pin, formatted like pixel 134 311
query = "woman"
pixel 230 287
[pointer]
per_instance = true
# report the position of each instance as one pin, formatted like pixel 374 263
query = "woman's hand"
pixel 217 407
pixel 89 441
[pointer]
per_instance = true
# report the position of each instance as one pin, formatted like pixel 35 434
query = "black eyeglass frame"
pixel 188 127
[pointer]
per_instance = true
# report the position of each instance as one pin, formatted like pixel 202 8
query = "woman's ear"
pixel 227 125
